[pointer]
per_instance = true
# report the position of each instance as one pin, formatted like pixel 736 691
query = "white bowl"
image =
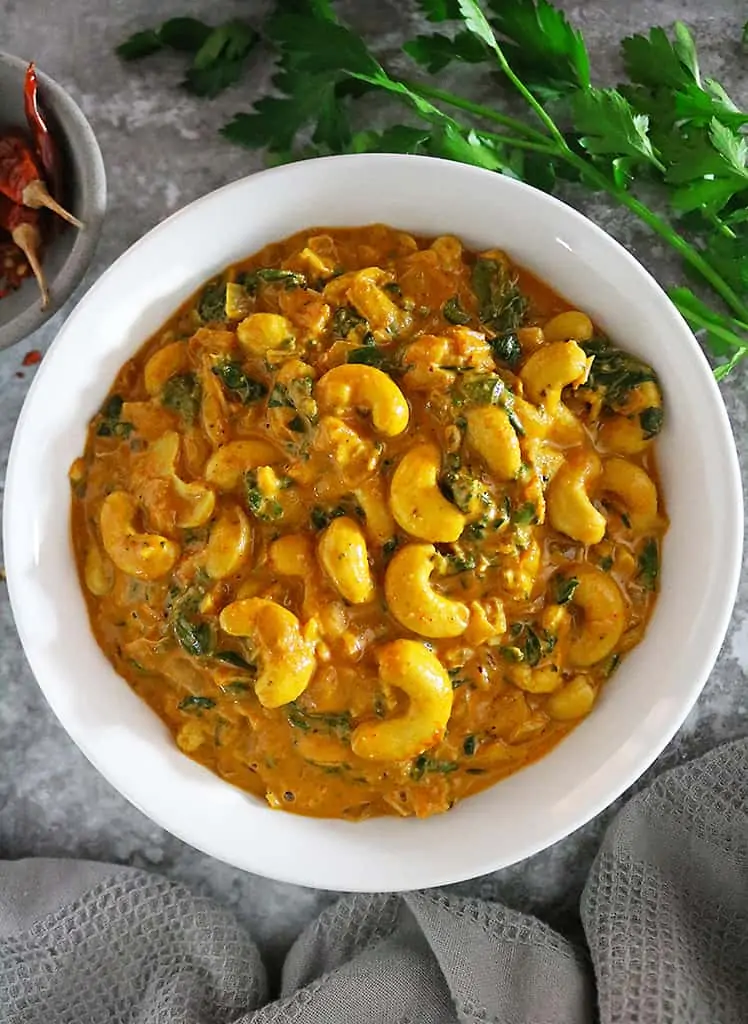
pixel 640 708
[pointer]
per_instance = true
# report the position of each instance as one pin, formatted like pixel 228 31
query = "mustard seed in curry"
pixel 371 520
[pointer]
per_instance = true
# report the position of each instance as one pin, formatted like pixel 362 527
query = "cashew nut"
pixel 599 599
pixel 624 435
pixel 344 557
pixel 491 434
pixel 374 304
pixel 229 543
pixel 292 555
pixel 417 504
pixel 286 652
pixel 350 452
pixel 213 411
pixel 145 555
pixel 265 332
pixel 98 571
pixel 412 668
pixel 227 466
pixel 357 386
pixel 413 601
pixel 164 364
pixel 574 700
pixel 371 497
pixel 569 507
pixel 545 679
pixel 551 368
pixel 572 325
pixel 427 357
pixel 188 505
pixel 635 488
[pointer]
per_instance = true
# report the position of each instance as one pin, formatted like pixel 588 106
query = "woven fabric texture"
pixel 665 915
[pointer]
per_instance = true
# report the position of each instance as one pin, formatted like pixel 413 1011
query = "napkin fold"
pixel 664 910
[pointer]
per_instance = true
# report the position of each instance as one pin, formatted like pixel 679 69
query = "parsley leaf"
pixel 542 46
pixel 440 10
pixel 608 125
pixel 435 52
pixel 219 53
pixel 655 61
pixel 220 60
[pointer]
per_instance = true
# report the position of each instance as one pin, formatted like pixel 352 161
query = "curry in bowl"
pixel 371 520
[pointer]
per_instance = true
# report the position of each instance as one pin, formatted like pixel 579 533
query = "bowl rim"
pixel 307 873
pixel 76 263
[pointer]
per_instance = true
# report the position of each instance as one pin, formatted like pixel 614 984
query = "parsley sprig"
pixel 670 131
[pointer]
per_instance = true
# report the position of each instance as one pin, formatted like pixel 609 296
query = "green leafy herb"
pixel 564 588
pixel 670 137
pixel 424 764
pixel 453 312
pixel 321 516
pixel 649 564
pixel 219 54
pixel 615 373
pixel 266 509
pixel 182 395
pixel 501 306
pixel 196 704
pixel 241 386
pixel 110 424
pixel 183 34
pixel 211 305
pixel 254 279
pixel 526 645
pixel 525 514
pixel 461 563
pixel 369 355
pixel 345 319
pixel 385 359
pixel 606 563
pixel 235 660
pixel 337 723
pixel 195 638
pixel 469 745
pixel 651 421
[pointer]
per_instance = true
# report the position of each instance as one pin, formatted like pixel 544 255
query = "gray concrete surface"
pixel 162 151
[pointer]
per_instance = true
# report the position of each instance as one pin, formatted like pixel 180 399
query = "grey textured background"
pixel 162 151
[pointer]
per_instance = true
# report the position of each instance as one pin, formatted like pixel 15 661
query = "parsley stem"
pixel 703 323
pixel 689 252
pixel 546 147
pixel 724 229
pixel 720 372
pixel 518 84
pixel 476 108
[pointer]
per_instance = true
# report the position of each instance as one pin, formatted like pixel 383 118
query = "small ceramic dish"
pixel 68 254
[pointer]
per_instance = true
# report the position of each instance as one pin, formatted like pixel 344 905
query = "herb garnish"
pixel 670 130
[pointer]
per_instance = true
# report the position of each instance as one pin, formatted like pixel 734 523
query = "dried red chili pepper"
pixel 46 147
pixel 23 226
pixel 21 180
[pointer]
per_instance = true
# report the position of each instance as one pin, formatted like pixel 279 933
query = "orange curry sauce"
pixel 454 338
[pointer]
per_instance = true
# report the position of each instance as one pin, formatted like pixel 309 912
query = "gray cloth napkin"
pixel 665 914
